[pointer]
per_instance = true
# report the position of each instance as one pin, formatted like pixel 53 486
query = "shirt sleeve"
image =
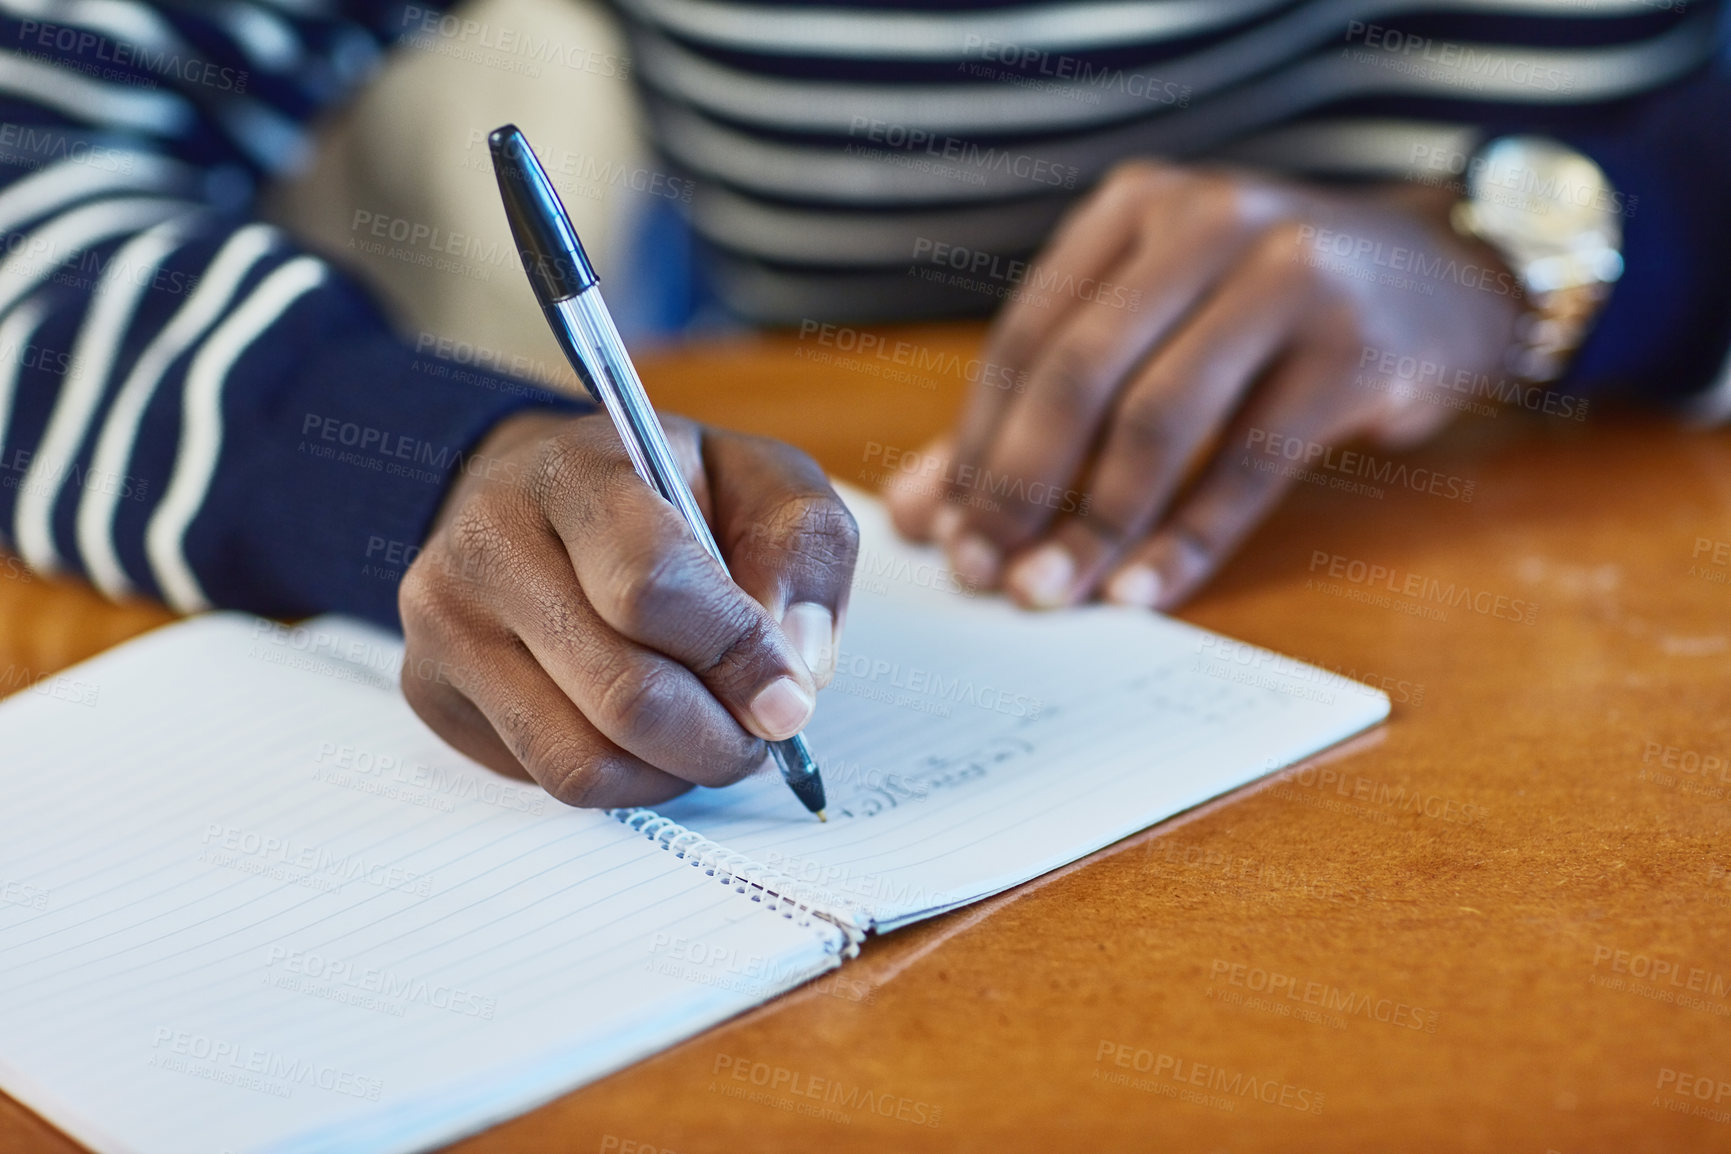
pixel 191 407
pixel 1665 332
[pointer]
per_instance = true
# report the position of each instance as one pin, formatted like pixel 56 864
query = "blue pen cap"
pixel 552 255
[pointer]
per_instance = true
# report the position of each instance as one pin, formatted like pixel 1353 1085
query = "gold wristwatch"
pixel 1554 218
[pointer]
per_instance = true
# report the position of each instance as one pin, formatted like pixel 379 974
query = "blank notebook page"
pixel 968 746
pixel 251 904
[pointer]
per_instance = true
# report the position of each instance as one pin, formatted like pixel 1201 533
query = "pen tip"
pixel 820 816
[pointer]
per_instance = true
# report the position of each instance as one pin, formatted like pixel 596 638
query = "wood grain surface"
pixel 1501 922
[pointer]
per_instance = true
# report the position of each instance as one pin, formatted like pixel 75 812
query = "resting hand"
pixel 1177 317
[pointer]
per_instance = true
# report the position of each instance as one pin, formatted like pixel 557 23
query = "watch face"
pixel 1535 196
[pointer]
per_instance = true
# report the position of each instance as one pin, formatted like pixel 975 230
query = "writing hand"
pixel 578 632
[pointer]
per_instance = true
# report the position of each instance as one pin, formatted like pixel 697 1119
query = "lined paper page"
pixel 248 903
pixel 967 746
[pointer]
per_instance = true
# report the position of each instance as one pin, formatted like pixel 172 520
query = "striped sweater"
pixel 192 409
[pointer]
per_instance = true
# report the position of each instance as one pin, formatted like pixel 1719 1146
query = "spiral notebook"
pixel 249 903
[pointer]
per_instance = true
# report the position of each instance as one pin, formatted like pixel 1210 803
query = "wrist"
pixel 501 456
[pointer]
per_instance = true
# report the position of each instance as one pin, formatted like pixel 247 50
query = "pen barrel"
pixel 619 389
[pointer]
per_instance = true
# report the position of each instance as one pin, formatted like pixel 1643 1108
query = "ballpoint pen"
pixel 568 289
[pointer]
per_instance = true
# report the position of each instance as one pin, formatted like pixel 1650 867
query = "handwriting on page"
pixel 931 774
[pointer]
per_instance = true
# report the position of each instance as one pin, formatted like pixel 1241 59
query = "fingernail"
pixel 1043 577
pixel 945 522
pixel 1137 585
pixel 811 628
pixel 782 709
pixel 976 560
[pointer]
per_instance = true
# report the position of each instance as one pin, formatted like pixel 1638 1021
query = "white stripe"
pixel 116 19
pixel 15 333
pixel 201 427
pixel 40 252
pixel 156 111
pixel 127 274
pixel 896 35
pixel 838 237
pixel 267 40
pixel 113 457
pixel 1372 147
pixel 276 142
pixel 273 140
pixel 57 184
pixel 805 105
pixel 825 237
pixel 874 176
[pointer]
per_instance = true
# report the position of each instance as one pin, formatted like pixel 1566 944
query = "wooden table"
pixel 1500 922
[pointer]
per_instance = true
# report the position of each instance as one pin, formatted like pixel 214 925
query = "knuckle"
pixel 651 588
pixel 1135 177
pixel 1214 202
pixel 1069 378
pixel 576 780
pixel 814 528
pixel 559 466
pixel 558 617
pixel 637 699
pixel 567 766
pixel 420 600
pixel 477 544
pixel 734 659
pixel 1148 429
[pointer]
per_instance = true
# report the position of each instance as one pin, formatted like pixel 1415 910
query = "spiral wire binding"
pixel 778 891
